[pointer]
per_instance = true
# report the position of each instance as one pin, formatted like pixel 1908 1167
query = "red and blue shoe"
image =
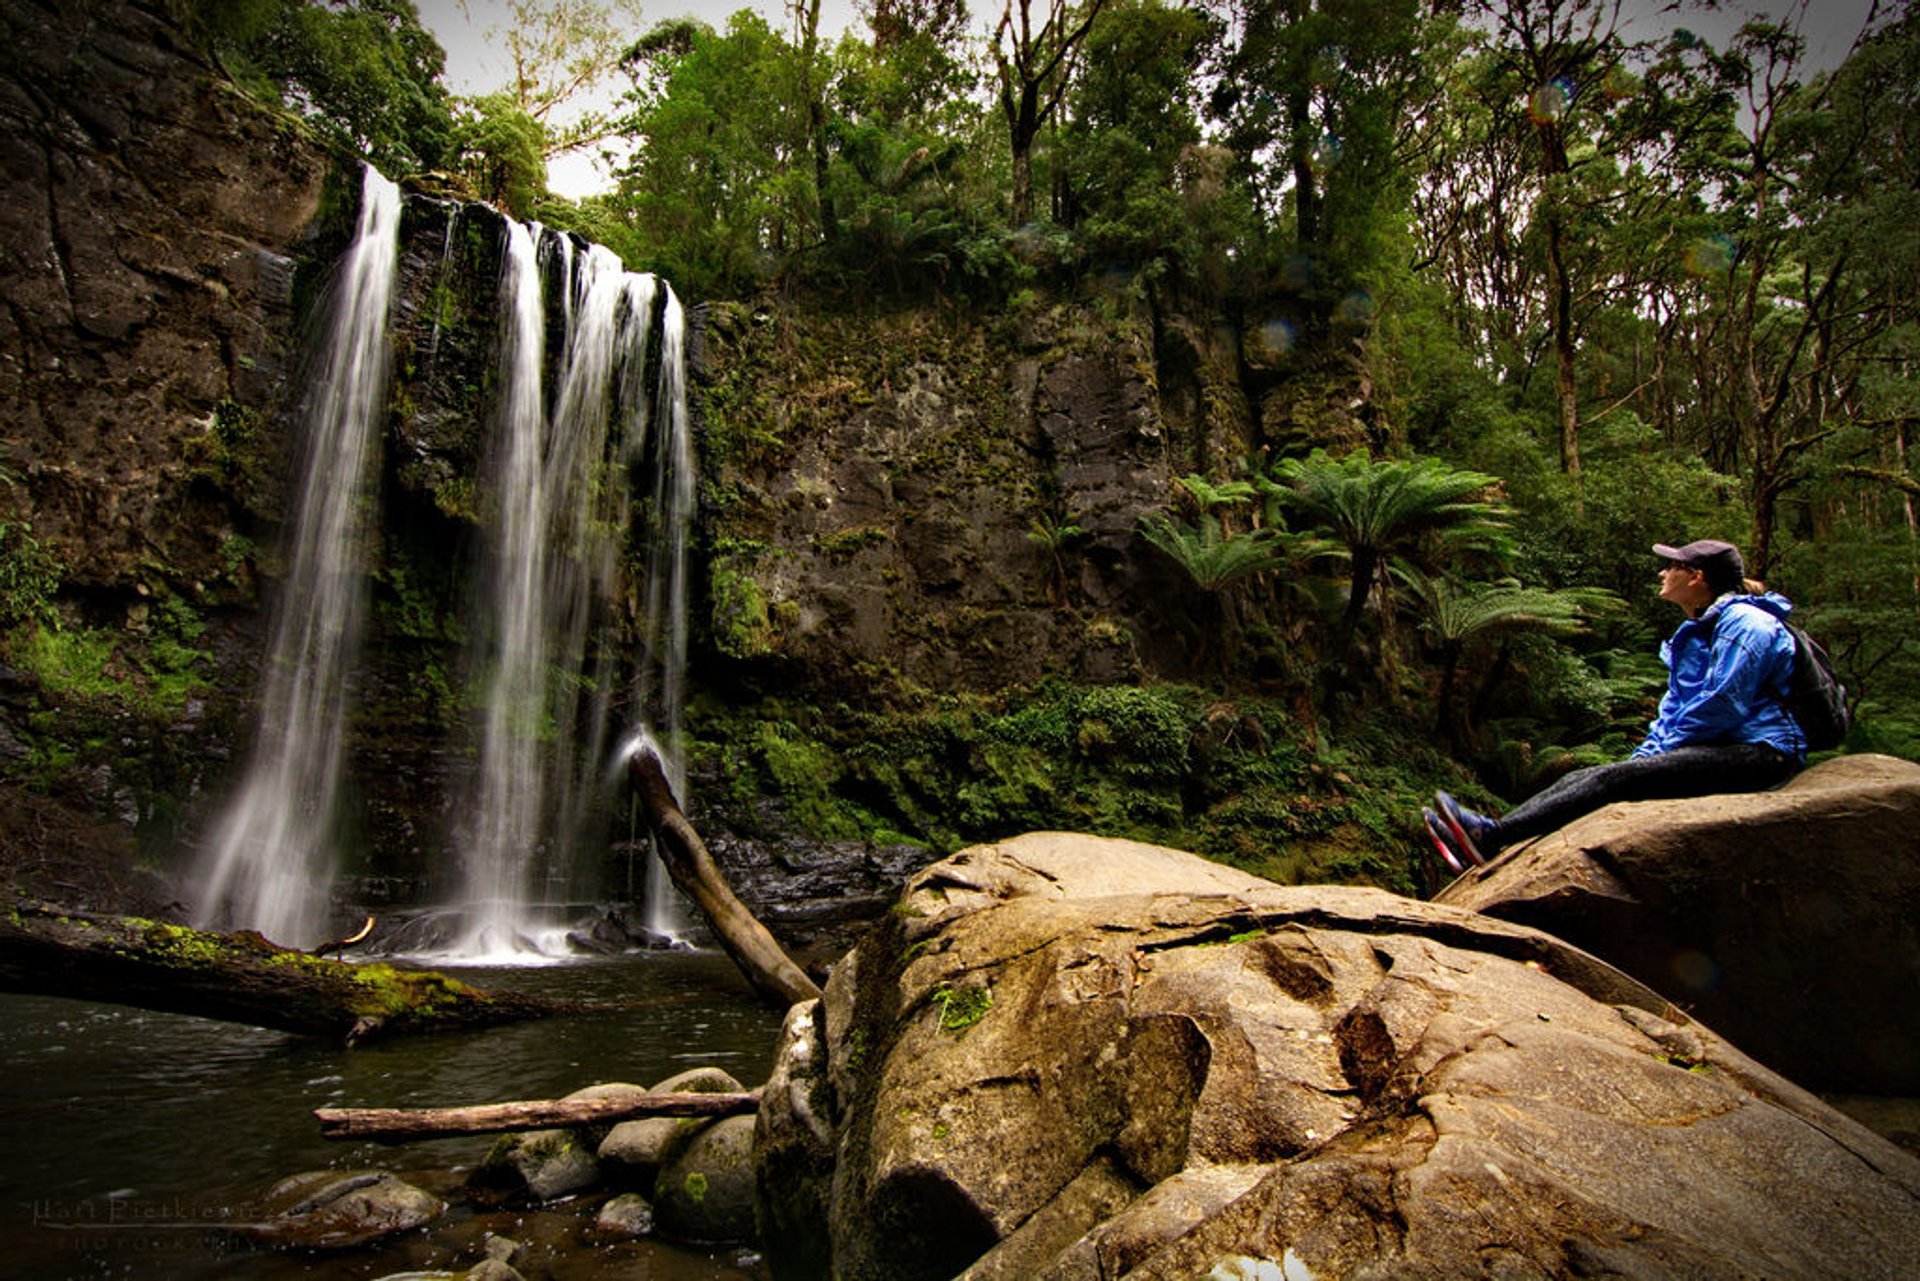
pixel 1469 832
pixel 1442 843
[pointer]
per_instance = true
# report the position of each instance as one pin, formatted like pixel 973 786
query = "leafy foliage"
pixel 365 71
pixel 29 576
pixel 1377 509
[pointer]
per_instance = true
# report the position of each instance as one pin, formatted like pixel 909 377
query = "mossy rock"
pixel 544 1164
pixel 633 1152
pixel 706 1193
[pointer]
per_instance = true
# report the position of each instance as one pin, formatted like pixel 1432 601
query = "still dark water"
pixel 127 1137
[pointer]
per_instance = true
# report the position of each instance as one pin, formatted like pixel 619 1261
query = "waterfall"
pixel 557 488
pixel 666 620
pixel 268 865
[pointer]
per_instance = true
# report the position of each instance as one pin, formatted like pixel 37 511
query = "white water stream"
pixel 572 425
pixel 268 865
pixel 559 483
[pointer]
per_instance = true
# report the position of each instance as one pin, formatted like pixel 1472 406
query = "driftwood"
pixel 767 966
pixel 240 978
pixel 403 1125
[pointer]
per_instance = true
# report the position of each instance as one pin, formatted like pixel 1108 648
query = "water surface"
pixel 129 1136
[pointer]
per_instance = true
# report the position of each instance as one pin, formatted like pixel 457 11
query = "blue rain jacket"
pixel 1727 676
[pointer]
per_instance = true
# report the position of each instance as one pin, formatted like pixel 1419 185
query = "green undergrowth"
pixel 1239 780
pixel 148 668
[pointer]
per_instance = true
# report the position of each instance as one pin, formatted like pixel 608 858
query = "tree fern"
pixel 1376 509
pixel 1455 617
pixel 1210 557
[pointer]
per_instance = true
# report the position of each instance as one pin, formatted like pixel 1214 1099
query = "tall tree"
pixel 562 52
pixel 1311 95
pixel 1034 65
pixel 1132 118
pixel 1782 314
pixel 365 71
pixel 713 191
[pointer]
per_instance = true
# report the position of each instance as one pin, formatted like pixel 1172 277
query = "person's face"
pixel 1685 587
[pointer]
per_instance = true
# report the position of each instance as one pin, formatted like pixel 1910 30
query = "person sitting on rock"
pixel 1723 724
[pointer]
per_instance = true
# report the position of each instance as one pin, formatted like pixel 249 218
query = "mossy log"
pixel 768 968
pixel 403 1125
pixel 239 978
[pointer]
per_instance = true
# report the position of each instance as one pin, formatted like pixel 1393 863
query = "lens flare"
pixel 1550 101
pixel 1357 308
pixel 1325 154
pixel 1278 336
pixel 1710 255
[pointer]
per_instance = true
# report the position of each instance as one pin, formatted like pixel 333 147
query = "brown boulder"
pixel 1063 1056
pixel 1788 920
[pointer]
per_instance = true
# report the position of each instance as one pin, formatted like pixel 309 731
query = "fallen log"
pixel 404 1125
pixel 239 978
pixel 768 968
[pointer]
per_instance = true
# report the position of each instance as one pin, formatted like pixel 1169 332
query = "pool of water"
pixel 127 1137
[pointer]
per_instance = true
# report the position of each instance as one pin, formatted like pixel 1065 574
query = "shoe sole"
pixel 1450 816
pixel 1440 845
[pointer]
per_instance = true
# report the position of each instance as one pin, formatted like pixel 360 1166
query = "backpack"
pixel 1814 695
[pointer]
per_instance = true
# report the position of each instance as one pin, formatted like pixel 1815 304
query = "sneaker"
pixel 1437 833
pixel 1469 830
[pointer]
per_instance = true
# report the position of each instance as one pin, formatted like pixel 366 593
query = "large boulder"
pixel 1064 1056
pixel 1787 920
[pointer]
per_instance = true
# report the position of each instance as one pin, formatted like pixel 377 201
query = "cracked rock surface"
pixel 1072 1057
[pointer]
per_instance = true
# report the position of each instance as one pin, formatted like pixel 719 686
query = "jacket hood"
pixel 1772 602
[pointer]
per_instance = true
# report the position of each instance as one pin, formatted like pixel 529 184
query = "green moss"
pixel 178 945
pixel 695 1186
pixel 742 625
pixel 29 576
pixel 962 1007
pixel 843 543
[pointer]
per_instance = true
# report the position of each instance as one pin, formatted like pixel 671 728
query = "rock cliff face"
pixel 953 499
pixel 150 233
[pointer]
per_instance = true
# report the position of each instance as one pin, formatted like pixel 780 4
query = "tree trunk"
pixel 403 1125
pixel 239 978
pixel 768 968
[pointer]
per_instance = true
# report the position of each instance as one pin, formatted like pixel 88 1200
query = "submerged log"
pixel 239 978
pixel 403 1125
pixel 768 968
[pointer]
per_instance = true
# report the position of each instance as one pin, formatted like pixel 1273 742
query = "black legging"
pixel 1683 771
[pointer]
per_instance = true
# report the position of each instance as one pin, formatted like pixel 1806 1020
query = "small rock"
pixel 545 1163
pixel 502 1249
pixel 626 1216
pixel 338 1209
pixel 493 1270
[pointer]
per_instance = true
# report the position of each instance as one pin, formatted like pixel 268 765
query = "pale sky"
pixel 476 65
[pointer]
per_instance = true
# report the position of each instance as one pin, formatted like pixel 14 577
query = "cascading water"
pixel 667 590
pixel 267 866
pixel 558 486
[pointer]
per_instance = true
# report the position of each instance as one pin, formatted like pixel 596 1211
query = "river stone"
pixel 1788 920
pixel 339 1209
pixel 627 1215
pixel 545 1164
pixel 634 1151
pixel 1068 1057
pixel 706 1193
